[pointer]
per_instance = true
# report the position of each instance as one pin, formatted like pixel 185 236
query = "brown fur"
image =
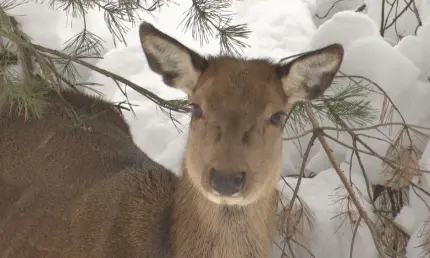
pixel 232 134
pixel 72 190
pixel 212 230
pixel 82 188
pixel 208 230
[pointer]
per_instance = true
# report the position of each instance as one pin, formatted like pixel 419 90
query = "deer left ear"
pixel 308 76
pixel 179 66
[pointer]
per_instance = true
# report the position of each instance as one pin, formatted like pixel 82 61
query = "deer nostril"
pixel 239 179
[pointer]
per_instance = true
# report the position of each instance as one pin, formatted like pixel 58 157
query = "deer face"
pixel 238 108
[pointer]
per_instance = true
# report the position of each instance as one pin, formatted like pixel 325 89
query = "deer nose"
pixel 227 185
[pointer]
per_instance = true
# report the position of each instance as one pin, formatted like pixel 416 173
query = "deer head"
pixel 238 108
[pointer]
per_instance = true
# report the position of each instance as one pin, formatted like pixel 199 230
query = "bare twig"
pixel 364 128
pixel 381 29
pixel 153 97
pixel 379 246
pixel 398 15
pixel 354 234
pixel 360 8
pixel 329 10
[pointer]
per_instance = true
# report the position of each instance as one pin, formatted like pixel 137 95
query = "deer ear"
pixel 308 76
pixel 179 66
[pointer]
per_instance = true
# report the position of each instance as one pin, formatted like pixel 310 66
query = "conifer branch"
pixel 153 97
pixel 212 18
pixel 59 67
pixel 377 240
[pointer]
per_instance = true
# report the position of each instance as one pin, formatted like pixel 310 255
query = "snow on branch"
pixel 381 134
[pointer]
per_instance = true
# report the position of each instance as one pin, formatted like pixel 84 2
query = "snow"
pixel 323 10
pixel 344 28
pixel 286 31
pixel 57 28
pixel 401 67
pixel 417 210
pixel 375 59
pixel 329 236
pixel 406 23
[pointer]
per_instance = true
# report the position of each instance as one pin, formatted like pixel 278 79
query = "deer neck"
pixel 201 228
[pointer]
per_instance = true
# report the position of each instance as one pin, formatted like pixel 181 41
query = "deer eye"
pixel 277 118
pixel 196 111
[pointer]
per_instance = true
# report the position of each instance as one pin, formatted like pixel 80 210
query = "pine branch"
pixel 347 213
pixel 10 4
pixel 395 236
pixel 171 105
pixel 26 98
pixel 390 230
pixel 61 69
pixel 46 59
pixel 347 101
pixel 425 242
pixel 406 165
pixel 393 164
pixel 85 44
pixel 7 58
pixel 416 128
pixel 295 217
pixel 57 68
pixel 379 246
pixel 211 18
pixel 116 13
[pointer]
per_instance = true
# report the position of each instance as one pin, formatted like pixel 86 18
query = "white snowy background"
pixel 279 28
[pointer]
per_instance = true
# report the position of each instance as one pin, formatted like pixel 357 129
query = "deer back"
pixel 74 184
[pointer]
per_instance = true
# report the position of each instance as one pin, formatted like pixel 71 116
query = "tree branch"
pixel 336 166
pixel 153 97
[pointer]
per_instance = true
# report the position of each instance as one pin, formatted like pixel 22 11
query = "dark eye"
pixel 276 118
pixel 196 111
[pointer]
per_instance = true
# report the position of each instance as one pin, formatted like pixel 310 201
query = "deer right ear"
pixel 179 66
pixel 310 75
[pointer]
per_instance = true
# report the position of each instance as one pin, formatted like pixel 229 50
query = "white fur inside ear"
pixel 309 74
pixel 173 60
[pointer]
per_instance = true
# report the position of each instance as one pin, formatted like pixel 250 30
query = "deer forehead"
pixel 234 86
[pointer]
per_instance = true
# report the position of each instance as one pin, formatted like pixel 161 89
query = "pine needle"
pixel 424 233
pixel 406 165
pixel 211 18
pixel 23 98
pixel 347 213
pixel 346 101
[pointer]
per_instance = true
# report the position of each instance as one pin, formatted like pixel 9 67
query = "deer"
pixel 79 186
